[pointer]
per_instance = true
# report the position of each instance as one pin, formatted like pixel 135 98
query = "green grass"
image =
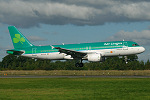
pixel 78 72
pixel 75 89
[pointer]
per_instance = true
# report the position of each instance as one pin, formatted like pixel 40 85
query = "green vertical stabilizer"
pixel 18 39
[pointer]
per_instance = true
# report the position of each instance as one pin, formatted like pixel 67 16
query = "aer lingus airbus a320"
pixel 93 52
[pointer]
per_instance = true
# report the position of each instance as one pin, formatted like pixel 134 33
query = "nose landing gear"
pixel 126 59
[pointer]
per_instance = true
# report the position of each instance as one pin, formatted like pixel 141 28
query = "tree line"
pixel 11 62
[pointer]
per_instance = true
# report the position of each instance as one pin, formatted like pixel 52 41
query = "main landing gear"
pixel 79 64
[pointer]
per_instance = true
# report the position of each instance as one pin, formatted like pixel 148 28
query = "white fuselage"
pixel 104 52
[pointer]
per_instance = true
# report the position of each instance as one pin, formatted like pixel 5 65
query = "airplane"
pixel 93 52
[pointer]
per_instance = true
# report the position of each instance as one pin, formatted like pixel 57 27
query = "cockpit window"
pixel 134 44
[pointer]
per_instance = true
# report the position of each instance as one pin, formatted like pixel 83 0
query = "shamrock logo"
pixel 18 38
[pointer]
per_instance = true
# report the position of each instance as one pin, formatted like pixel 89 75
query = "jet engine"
pixel 94 57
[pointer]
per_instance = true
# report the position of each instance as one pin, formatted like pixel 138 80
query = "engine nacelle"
pixel 94 57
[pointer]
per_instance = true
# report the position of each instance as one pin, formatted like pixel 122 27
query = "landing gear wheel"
pixel 79 64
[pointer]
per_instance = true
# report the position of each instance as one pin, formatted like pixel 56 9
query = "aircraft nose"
pixel 142 49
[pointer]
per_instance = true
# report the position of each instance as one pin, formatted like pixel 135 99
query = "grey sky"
pixel 29 13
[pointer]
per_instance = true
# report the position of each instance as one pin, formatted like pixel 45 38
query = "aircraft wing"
pixel 74 54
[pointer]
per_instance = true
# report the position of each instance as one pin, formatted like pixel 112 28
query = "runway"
pixel 27 76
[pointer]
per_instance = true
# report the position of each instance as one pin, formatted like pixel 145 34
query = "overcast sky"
pixel 73 21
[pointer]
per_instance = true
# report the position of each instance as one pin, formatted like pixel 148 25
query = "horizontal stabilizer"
pixel 15 52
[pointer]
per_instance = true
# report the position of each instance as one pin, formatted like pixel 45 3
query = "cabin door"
pixel 125 46
pixel 34 52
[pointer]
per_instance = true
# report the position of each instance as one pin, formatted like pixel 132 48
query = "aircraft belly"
pixel 110 52
pixel 55 56
pixel 29 55
pixel 120 51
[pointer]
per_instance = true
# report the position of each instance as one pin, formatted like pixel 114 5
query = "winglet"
pixel 52 46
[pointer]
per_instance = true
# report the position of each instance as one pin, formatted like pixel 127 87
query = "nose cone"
pixel 142 49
